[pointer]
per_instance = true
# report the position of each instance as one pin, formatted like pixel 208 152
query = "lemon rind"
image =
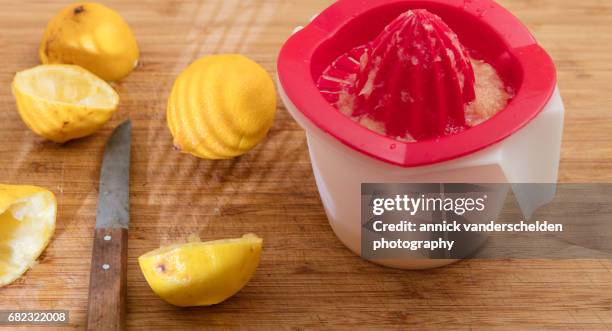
pixel 14 196
pixel 247 239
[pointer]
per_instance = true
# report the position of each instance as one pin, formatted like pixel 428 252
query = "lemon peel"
pixel 92 36
pixel 221 106
pixel 201 273
pixel 27 223
pixel 63 102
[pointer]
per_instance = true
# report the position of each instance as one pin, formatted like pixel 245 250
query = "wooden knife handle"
pixel 108 280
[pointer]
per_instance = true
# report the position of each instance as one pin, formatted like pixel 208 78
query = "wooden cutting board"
pixel 307 278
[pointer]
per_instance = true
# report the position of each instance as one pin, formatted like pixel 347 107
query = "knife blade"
pixel 108 281
pixel 113 209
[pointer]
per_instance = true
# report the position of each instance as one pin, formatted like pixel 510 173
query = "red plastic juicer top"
pixel 422 100
pixel 416 78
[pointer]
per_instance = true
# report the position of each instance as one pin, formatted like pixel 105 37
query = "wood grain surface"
pixel 307 279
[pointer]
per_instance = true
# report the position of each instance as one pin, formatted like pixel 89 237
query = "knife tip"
pixel 125 126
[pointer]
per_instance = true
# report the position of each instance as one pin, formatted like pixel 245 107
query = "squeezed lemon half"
pixel 221 106
pixel 201 273
pixel 27 222
pixel 63 102
pixel 92 36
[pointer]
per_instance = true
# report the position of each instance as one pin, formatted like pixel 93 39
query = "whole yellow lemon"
pixel 221 106
pixel 92 36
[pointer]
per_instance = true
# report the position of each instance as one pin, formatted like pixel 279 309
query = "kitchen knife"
pixel 108 281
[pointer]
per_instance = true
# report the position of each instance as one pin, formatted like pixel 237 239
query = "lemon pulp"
pixel 63 102
pixel 27 222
